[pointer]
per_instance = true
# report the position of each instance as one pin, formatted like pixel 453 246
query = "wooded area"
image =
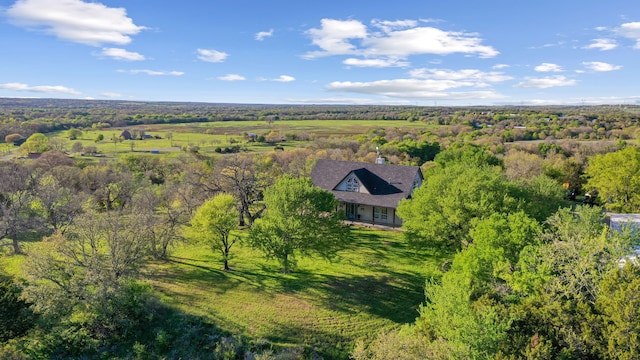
pixel 151 256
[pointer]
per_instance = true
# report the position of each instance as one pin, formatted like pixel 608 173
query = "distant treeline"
pixel 28 116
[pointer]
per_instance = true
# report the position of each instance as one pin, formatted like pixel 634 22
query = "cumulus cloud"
pixel 264 34
pixel 602 44
pixel 152 72
pixel 122 54
pixel 284 78
pixel 378 63
pixel 346 101
pixel 210 55
pixel 398 39
pixel 500 66
pixel 47 89
pixel 426 89
pixel 467 77
pixel 231 77
pixel 111 95
pixel 600 66
pixel 90 23
pixel 548 67
pixel 631 31
pixel 546 82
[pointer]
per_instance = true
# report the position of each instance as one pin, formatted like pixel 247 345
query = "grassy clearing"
pixel 208 136
pixel 376 283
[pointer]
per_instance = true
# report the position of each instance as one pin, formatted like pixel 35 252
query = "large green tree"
pixel 301 219
pixel 616 176
pixel 439 213
pixel 213 223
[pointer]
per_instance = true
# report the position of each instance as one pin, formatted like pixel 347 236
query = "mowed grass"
pixel 375 283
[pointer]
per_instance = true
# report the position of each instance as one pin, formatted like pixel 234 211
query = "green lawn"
pixel 376 283
pixel 208 136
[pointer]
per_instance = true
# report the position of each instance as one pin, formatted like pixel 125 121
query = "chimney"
pixel 379 160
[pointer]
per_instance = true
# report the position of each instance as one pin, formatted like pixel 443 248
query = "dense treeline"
pixel 509 123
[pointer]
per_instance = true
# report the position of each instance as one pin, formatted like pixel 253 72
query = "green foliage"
pixel 616 177
pixel 36 143
pixel 439 213
pixel 213 222
pixel 423 150
pixel 74 133
pixel 620 307
pixel 16 318
pixel 301 218
pixel 468 154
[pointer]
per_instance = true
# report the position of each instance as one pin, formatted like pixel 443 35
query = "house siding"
pixel 366 214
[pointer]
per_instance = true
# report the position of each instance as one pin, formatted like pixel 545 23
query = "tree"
pixel 89 264
pixel 36 143
pixel 301 219
pixel 241 176
pixel 12 138
pixel 213 223
pixel 616 176
pixel 74 133
pixel 441 211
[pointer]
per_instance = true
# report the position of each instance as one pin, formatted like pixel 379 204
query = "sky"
pixel 406 52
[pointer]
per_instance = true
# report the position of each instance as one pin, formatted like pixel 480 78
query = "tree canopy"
pixel 213 222
pixel 300 219
pixel 616 177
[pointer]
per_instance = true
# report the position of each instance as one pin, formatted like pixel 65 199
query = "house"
pixel 125 134
pixel 628 223
pixel 367 192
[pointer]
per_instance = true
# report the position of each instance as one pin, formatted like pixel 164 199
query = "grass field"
pixel 208 136
pixel 375 283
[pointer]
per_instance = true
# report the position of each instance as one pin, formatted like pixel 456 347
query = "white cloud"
pixel 378 63
pixel 284 78
pixel 210 55
pixel 548 67
pixel 90 23
pixel 428 89
pixel 122 54
pixel 152 72
pixel 546 82
pixel 231 77
pixel 602 44
pixel 346 101
pixel 600 66
pixel 469 77
pixel 264 34
pixel 47 89
pixel 398 39
pixel 111 95
pixel 334 35
pixel 500 66
pixel 388 26
pixel 631 31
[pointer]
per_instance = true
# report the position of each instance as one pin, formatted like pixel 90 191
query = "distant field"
pixel 208 136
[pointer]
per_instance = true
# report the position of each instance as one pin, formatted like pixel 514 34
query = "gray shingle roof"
pixel 387 184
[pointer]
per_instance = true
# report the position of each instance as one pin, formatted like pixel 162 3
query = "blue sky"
pixel 413 52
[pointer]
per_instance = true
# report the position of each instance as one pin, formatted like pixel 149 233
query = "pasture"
pixel 375 283
pixel 208 136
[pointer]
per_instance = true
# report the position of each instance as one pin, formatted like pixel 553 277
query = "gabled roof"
pixel 386 184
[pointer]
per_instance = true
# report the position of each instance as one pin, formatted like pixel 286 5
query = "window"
pixel 352 184
pixel 380 213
